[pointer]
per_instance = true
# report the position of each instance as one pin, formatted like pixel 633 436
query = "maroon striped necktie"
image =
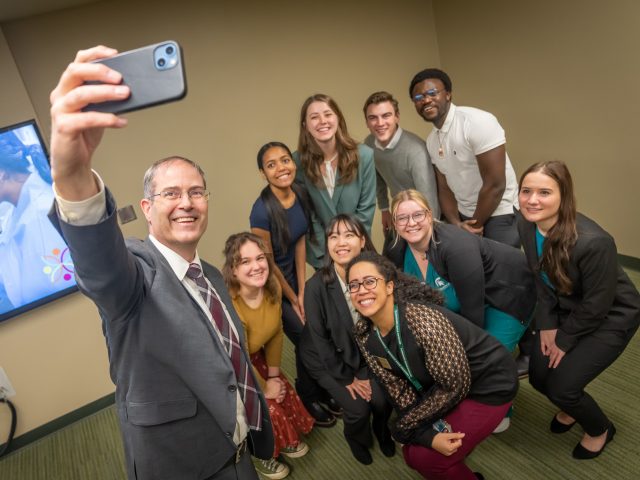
pixel 248 390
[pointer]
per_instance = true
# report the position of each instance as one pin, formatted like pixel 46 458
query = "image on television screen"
pixel 35 265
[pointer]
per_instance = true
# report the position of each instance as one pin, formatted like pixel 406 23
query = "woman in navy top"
pixel 588 310
pixel 281 217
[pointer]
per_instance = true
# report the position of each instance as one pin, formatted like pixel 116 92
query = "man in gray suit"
pixel 188 404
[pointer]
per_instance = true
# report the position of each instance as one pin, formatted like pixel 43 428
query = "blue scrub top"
pixel 434 280
pixel 539 247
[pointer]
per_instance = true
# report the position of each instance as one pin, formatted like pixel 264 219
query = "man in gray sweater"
pixel 400 156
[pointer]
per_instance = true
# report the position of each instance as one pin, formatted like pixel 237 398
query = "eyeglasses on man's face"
pixel 369 283
pixel 418 216
pixel 195 195
pixel 431 93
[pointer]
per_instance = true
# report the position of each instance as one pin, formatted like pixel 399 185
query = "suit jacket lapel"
pixel 179 286
pixel 340 302
pixel 328 201
pixel 530 239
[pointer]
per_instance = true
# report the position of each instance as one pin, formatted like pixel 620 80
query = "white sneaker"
pixel 297 451
pixel 503 425
pixel 272 469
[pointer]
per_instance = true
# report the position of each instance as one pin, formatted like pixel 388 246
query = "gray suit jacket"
pixel 175 385
pixel 357 198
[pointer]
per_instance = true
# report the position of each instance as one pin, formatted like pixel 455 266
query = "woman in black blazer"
pixel 328 347
pixel 588 309
pixel 487 282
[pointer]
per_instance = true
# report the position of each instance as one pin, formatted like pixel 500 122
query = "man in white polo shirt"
pixel 477 186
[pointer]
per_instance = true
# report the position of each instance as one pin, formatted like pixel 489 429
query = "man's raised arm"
pixel 76 134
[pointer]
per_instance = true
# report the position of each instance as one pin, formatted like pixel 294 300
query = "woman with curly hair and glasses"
pixel 449 381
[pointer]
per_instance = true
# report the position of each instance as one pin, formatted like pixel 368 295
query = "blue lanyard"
pixel 404 367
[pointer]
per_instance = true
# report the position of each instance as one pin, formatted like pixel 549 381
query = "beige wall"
pixel 250 65
pixel 54 356
pixel 562 78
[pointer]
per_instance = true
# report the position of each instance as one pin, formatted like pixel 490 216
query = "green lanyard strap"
pixel 403 366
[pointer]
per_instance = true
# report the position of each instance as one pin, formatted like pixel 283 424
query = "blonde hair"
pixel 405 196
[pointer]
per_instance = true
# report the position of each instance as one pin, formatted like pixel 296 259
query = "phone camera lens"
pixel 169 50
pixel 161 62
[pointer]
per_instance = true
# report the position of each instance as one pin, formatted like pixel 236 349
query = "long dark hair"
pixel 353 225
pixel 562 236
pixel 311 157
pixel 276 212
pixel 406 288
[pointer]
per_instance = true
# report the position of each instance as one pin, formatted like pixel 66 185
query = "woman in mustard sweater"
pixel 249 274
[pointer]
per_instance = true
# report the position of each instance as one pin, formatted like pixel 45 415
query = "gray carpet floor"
pixel 92 449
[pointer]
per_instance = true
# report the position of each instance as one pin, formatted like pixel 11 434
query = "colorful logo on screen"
pixel 58 265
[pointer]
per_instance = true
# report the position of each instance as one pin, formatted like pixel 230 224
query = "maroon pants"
pixel 476 421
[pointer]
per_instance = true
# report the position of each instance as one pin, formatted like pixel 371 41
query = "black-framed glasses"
pixel 369 283
pixel 195 195
pixel 431 93
pixel 418 216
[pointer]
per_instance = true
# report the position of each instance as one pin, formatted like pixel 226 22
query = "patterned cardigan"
pixel 445 360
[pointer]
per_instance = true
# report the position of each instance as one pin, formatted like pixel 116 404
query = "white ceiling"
pixel 16 9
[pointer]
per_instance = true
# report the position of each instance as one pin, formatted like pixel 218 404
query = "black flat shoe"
pixel 360 453
pixel 387 446
pixel 332 406
pixel 322 418
pixel 388 449
pixel 557 427
pixel 581 453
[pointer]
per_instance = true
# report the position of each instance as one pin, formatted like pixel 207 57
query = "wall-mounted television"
pixel 35 265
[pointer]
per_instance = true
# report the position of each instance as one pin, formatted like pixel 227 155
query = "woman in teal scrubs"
pixel 487 282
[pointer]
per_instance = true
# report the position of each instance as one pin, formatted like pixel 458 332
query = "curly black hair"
pixel 430 73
